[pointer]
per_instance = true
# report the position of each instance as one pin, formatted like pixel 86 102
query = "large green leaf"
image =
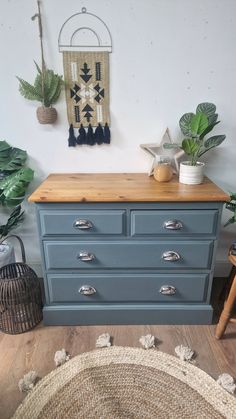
pixel 11 158
pixel 13 187
pixel 15 218
pixel 212 118
pixel 211 143
pixel 208 129
pixel 206 108
pixel 199 123
pixel 190 146
pixel 185 123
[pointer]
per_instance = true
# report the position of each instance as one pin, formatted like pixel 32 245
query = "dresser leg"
pixel 226 313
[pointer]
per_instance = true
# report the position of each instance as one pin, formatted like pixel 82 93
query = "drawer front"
pixel 173 222
pixel 82 223
pixel 127 288
pixel 129 254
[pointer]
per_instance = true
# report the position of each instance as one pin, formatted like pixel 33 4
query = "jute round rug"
pixel 127 383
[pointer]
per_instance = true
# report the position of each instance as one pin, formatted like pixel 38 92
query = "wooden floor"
pixel 35 350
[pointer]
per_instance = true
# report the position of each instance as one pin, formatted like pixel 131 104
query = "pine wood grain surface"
pixel 35 350
pixel 121 187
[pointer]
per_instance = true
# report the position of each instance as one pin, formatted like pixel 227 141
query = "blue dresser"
pixel 125 249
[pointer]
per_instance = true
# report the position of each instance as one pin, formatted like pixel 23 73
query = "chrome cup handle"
pixel 82 224
pixel 86 257
pixel 173 225
pixel 167 290
pixel 87 290
pixel 171 256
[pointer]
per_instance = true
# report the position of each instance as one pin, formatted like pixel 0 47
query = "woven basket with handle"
pixel 20 296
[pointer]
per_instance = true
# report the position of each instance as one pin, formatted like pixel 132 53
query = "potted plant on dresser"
pixel 14 180
pixel 195 127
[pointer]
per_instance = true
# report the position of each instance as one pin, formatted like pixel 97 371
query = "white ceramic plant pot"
pixel 191 175
pixel 7 254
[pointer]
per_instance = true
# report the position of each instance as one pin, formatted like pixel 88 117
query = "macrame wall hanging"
pixel 85 42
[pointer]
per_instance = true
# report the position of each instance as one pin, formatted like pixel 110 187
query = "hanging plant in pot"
pixel 14 180
pixel 47 85
pixel 195 127
pixel 46 89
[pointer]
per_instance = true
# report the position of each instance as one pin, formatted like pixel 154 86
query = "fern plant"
pixel 46 88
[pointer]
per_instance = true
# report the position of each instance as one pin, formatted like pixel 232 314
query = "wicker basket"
pixel 20 296
pixel 46 115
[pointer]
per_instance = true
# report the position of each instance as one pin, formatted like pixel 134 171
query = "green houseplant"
pixel 14 180
pixel 231 206
pixel 47 84
pixel 195 127
pixel 46 90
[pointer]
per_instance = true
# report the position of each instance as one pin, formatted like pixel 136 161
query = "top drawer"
pixel 174 222
pixel 82 223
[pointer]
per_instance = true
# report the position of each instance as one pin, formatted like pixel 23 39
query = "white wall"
pixel 168 56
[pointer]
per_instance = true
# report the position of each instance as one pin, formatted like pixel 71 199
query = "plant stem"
pixel 41 46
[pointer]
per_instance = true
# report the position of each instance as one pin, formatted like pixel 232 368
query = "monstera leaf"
pixel 11 158
pixel 13 187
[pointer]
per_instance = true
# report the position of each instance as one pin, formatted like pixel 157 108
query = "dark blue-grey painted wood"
pixel 191 222
pixel 59 222
pixel 128 247
pixel 127 288
pixel 127 314
pixel 128 254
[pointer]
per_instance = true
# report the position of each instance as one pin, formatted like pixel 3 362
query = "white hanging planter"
pixel 191 175
pixel 7 254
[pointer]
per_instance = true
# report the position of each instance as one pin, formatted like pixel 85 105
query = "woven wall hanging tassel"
pixel 99 134
pixel 90 140
pixel 81 139
pixel 71 139
pixel 107 134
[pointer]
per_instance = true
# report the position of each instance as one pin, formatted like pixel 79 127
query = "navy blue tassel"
pixel 99 135
pixel 81 139
pixel 107 134
pixel 71 139
pixel 90 136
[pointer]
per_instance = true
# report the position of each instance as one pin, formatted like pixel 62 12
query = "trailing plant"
pixel 195 126
pixel 46 88
pixel 14 175
pixel 231 206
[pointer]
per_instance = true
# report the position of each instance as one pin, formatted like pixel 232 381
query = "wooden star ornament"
pixel 157 151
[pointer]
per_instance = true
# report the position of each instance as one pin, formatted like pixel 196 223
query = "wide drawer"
pixel 129 254
pixel 82 223
pixel 174 222
pixel 127 288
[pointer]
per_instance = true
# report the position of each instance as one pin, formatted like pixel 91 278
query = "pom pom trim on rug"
pixel 149 367
pixel 103 341
pixel 147 341
pixel 61 357
pixel 28 381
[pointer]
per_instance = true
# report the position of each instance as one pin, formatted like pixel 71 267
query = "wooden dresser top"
pixel 122 187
